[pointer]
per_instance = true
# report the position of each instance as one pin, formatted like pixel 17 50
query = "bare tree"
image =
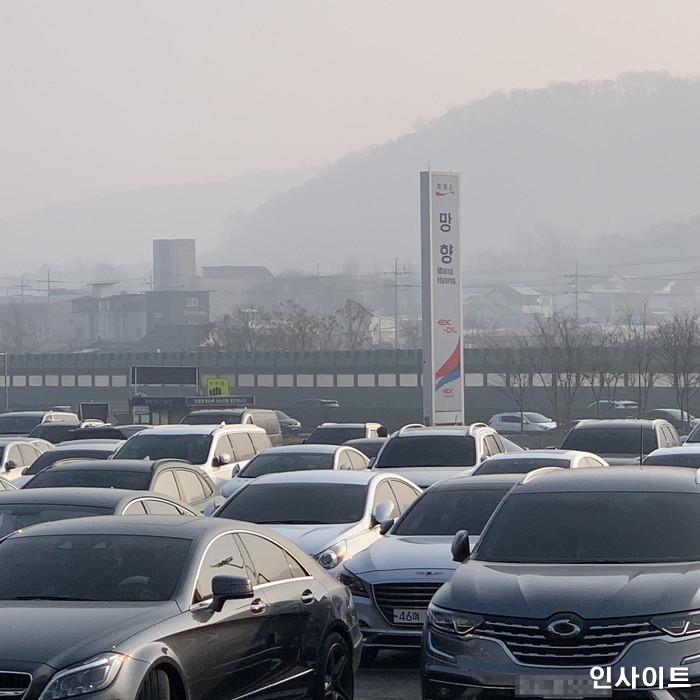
pixel 602 370
pixel 14 327
pixel 640 352
pixel 354 324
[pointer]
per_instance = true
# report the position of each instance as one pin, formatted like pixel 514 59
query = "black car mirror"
pixel 371 462
pixel 229 588
pixel 10 465
pixel 386 525
pixel 460 546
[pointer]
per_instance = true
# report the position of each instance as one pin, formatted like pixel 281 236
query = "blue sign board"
pixel 164 401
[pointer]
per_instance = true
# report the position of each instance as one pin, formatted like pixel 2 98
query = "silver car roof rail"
pixel 410 426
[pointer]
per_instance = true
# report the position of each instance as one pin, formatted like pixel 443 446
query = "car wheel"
pixel 369 656
pixel 334 678
pixel 155 686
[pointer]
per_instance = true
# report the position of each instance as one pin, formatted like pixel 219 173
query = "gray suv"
pixel 578 568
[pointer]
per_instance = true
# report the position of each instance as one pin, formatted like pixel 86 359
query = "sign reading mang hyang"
pixel 441 282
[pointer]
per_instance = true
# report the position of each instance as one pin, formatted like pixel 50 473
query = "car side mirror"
pixel 10 465
pixel 382 432
pixel 386 525
pixel 382 512
pixel 224 458
pixel 236 470
pixel 371 462
pixel 228 588
pixel 460 546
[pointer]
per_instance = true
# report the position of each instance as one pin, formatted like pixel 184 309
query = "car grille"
pixel 600 642
pixel 14 684
pixel 412 596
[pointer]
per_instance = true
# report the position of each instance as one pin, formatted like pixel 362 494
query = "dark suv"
pixel 576 569
pixel 621 441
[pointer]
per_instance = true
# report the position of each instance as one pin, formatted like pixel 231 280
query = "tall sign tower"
pixel 441 282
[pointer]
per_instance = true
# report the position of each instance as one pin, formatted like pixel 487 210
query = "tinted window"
pixel 106 432
pixel 275 463
pixel 369 448
pixel 211 418
pixel 191 486
pixel 92 567
pixel 99 478
pixel 242 446
pixel 165 483
pixel 536 418
pixel 260 442
pixel 405 495
pixel 156 507
pixel 18 424
pixel 679 459
pixel 494 465
pixel 446 512
pixel 48 458
pixel 594 528
pixel 14 516
pixel 428 451
pixel 295 567
pixel 223 558
pixel 611 440
pixel 356 461
pixel 269 560
pixel 297 503
pixel 384 493
pixel 27 454
pixel 54 432
pixel 192 448
pixel 334 436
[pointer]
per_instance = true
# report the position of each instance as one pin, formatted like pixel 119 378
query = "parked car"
pixel 54 432
pixel 393 580
pixel 102 449
pixel 577 568
pixel 263 417
pixel 23 422
pixel 338 433
pixel 147 608
pixel 331 515
pixel 427 455
pixel 524 462
pixel 21 508
pixel 368 446
pixel 693 437
pixel 610 408
pixel 311 412
pixel 170 477
pixel 683 422
pixel 624 441
pixel 289 426
pixel 106 432
pixel 7 485
pixel 292 458
pixel 218 450
pixel 15 455
pixel 525 422
pixel 683 456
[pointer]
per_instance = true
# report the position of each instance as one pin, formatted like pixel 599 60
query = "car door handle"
pixel 258 606
pixel 307 597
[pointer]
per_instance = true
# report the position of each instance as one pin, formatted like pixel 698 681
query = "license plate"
pixel 558 687
pixel 415 617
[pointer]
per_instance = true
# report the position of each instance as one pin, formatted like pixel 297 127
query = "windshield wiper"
pixel 49 597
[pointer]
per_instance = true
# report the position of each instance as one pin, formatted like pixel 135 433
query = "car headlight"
pixel 331 557
pixel 91 675
pixel 678 624
pixel 453 622
pixel 355 585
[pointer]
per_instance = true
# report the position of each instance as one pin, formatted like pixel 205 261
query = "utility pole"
pixel 395 274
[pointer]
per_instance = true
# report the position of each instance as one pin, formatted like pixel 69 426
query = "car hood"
pixel 424 476
pixel 61 633
pixel 396 552
pixel 588 590
pixel 313 539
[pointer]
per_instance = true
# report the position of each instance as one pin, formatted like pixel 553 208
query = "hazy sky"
pixel 107 95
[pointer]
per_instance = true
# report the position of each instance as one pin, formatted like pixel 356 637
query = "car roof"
pixel 91 445
pixel 621 423
pixel 186 527
pixel 365 441
pixel 323 476
pixel 542 454
pixel 187 429
pixel 483 481
pixel 122 465
pixel 631 478
pixel 685 448
pixel 348 425
pixel 304 449
pixel 82 496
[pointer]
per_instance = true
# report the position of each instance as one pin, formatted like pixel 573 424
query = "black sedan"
pixel 21 508
pixel 171 477
pixel 146 608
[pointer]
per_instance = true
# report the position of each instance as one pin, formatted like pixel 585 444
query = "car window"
pixel 165 483
pixel 135 508
pixel 28 454
pixel 405 495
pixel 190 486
pixel 508 419
pixel 13 458
pixel 491 446
pixel 384 493
pixel 156 507
pixel 223 446
pixel 269 560
pixel 428 451
pixel 356 461
pixel 295 567
pixel 222 558
pixel 193 448
pixel 242 446
pixel 260 441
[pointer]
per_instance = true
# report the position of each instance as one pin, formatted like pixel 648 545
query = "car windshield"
pixel 298 503
pixel 623 441
pixel 192 447
pixel 276 463
pixel 97 478
pixel 91 567
pixel 427 451
pixel 54 432
pixel 600 527
pixel 537 418
pixel 445 512
pixel 694 435
pixel 14 516
pixel 521 465
pixel 18 424
pixel 682 458
pixel 49 457
pixel 334 436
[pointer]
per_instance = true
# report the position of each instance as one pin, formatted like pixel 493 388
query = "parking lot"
pixel 394 676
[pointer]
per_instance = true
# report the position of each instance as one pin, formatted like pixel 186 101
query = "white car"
pixel 525 422
pixel 331 514
pixel 528 461
pixel 217 449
